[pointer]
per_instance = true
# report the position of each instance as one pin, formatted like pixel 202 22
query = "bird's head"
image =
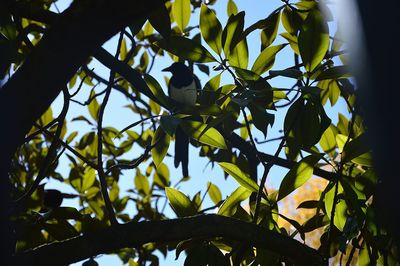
pixel 178 68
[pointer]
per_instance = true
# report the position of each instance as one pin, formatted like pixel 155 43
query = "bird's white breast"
pixel 186 95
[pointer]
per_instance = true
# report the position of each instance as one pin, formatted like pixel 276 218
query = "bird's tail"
pixel 181 151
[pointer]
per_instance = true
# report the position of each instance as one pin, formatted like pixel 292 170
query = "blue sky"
pixel 119 117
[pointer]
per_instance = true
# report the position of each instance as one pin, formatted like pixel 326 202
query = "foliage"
pixel 231 114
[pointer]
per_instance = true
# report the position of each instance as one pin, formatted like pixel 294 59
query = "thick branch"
pixel 75 35
pixel 133 234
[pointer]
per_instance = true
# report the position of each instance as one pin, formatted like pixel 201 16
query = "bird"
pixel 182 88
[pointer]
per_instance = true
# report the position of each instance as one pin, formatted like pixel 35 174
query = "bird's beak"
pixel 168 69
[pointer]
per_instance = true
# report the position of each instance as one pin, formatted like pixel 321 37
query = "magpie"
pixel 182 88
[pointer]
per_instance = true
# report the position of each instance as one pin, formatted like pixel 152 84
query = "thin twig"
pixel 100 170
pixel 51 154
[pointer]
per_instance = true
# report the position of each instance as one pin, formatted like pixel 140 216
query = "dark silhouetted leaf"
pixel 186 49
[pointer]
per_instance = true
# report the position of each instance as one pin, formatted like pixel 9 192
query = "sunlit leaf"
pixel 231 8
pixel 47 117
pixel 239 55
pixel 232 32
pixel 293 41
pixel 269 32
pixel 142 183
pixel 93 107
pixel 328 141
pixel 161 176
pixel 340 209
pixel 123 50
pixel 180 203
pixel 181 12
pixel 156 89
pixel 291 20
pixel 242 178
pixel 297 176
pixel 210 28
pixel 266 59
pixel 88 179
pixel 313 40
pixel 229 207
pixel 161 141
pixel 114 192
pixel 214 193
pixel 197 131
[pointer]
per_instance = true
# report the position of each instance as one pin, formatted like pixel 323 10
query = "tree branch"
pixel 135 234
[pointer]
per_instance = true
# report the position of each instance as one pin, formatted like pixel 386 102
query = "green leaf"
pixel 266 59
pixel 181 12
pixel 209 93
pixel 231 8
pixel 246 74
pixel 186 49
pixel 161 21
pixel 180 203
pixel 123 50
pixel 88 179
pixel 232 32
pixel 330 90
pixel 297 176
pixel 93 107
pixel 229 207
pixel 242 178
pixel 328 141
pixel 201 133
pixel 341 206
pixel 142 183
pixel 47 117
pixel 293 42
pixel 156 89
pixel 210 28
pixel 71 137
pixel 114 192
pixel 214 193
pixel 239 55
pixel 267 23
pixel 161 176
pixel 160 150
pixel 291 20
pixel 269 32
pixel 313 40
